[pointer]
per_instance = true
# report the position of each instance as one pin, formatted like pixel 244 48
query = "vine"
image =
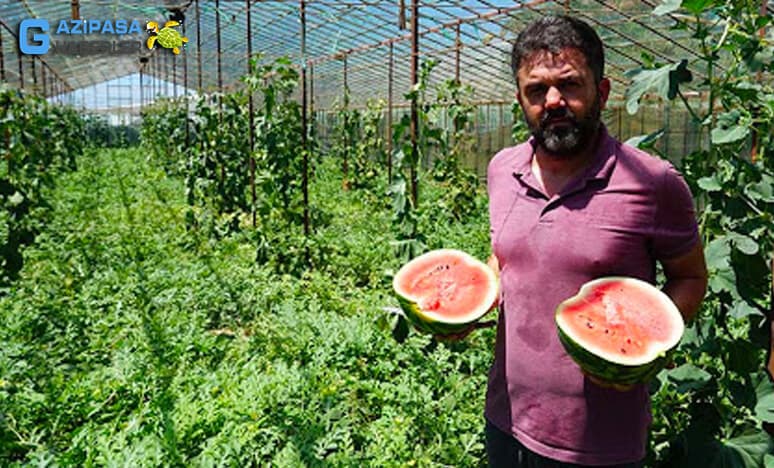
pixel 714 404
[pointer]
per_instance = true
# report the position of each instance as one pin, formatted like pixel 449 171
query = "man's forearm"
pixel 687 294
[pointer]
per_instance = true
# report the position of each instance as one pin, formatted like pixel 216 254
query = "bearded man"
pixel 570 205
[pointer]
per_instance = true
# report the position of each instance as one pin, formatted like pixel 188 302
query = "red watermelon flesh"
pixel 448 288
pixel 445 290
pixel 620 329
pixel 618 319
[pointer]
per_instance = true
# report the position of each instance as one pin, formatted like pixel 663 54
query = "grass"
pixel 130 340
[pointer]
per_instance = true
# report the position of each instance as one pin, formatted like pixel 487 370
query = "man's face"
pixel 561 101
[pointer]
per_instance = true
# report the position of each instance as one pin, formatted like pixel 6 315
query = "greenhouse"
pixel 206 205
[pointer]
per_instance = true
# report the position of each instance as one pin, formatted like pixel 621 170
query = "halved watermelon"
pixel 446 290
pixel 621 330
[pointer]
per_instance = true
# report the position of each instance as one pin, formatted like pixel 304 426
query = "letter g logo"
pixel 40 42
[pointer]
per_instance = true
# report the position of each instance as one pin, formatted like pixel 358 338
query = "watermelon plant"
pixel 33 152
pixel 346 131
pixel 711 408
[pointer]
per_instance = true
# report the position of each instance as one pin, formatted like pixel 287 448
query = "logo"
pixel 35 40
pixel 166 37
pixel 41 42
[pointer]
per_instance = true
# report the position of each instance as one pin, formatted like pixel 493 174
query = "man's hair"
pixel 554 33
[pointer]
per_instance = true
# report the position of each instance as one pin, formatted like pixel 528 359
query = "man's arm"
pixel 686 283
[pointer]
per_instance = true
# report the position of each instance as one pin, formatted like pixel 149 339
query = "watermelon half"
pixel 445 291
pixel 621 330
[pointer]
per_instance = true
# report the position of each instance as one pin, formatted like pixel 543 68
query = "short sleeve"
pixel 676 230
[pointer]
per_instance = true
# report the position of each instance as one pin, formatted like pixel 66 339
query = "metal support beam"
pixel 389 113
pixel 251 118
pixel 2 58
pixel 414 109
pixel 198 47
pixel 304 133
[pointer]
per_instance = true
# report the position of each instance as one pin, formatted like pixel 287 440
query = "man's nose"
pixel 554 97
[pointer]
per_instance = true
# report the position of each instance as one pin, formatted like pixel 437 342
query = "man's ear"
pixel 518 95
pixel 603 88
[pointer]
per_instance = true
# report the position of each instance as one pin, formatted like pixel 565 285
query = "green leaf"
pixel 401 330
pixel 696 6
pixel 732 126
pixel 742 309
pixel 666 7
pixel 751 448
pixel 768 461
pixel 664 81
pixel 724 280
pixel 644 141
pixel 710 184
pixel 16 199
pixel 688 377
pixel 745 244
pixel 764 408
pixel 717 253
pixel 763 190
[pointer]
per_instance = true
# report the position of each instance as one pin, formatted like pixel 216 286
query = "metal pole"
pixel 389 114
pixel 199 47
pixel 185 93
pixel 217 31
pixel 220 88
pixel 2 58
pixel 174 75
pixel 414 109
pixel 21 71
pixel 304 130
pixel 250 117
pixel 34 75
pixel 312 128
pixel 166 76
pixel 142 91
pixel 43 78
pixel 755 143
pixel 345 165
pixel 457 47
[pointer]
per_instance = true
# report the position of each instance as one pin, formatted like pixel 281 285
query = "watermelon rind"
pixel 617 369
pixel 434 323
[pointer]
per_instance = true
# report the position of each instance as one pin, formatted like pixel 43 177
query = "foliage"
pixel 101 134
pixel 453 143
pixel 519 130
pixel 715 401
pixel 346 131
pixel 163 133
pixel 132 340
pixel 279 154
pixel 33 152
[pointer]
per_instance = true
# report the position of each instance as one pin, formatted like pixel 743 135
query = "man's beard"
pixel 569 137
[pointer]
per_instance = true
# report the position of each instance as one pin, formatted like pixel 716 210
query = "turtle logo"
pixel 167 37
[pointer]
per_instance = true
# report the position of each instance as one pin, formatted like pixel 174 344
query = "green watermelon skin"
pixel 605 367
pixel 411 311
pixel 433 275
pixel 609 371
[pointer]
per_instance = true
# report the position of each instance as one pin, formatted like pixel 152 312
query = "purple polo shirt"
pixel 623 213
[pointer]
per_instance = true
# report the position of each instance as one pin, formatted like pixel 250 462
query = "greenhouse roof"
pixel 356 41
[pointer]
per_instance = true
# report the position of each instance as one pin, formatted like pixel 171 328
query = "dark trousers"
pixel 504 451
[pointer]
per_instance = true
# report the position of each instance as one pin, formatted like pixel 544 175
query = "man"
pixel 570 205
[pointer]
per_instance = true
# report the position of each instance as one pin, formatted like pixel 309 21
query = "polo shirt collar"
pixel 600 168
